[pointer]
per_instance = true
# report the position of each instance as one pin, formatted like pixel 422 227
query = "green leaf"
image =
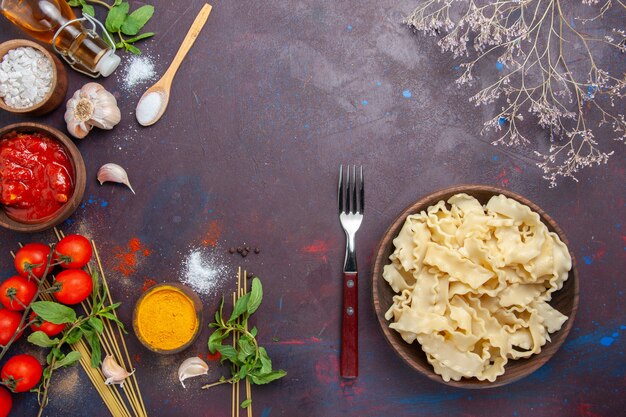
pixel 246 349
pixel 70 359
pixel 41 339
pixel 73 3
pixel 112 317
pixel 246 403
pixel 243 372
pixel 139 37
pixel 95 280
pixel 88 9
pixel 132 49
pixel 111 307
pixel 96 324
pixel 254 331
pixel 94 344
pixel 266 362
pixel 240 306
pixel 228 353
pixel 116 17
pixel 74 336
pixel 267 378
pixel 256 295
pixel 54 312
pixel 215 340
pixel 137 20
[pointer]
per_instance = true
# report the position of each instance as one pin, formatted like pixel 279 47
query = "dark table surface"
pixel 272 98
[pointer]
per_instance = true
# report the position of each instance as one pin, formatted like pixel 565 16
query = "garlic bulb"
pixel 113 173
pixel 91 106
pixel 114 373
pixel 192 367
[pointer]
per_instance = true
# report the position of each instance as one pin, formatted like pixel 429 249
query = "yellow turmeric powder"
pixel 166 318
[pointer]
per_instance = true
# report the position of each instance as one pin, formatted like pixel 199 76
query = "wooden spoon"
pixel 155 105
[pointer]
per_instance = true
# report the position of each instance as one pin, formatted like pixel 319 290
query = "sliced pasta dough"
pixel 473 284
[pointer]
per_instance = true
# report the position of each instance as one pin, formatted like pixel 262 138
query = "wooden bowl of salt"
pixel 58 83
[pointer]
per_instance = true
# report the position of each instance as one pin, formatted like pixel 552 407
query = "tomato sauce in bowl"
pixel 36 176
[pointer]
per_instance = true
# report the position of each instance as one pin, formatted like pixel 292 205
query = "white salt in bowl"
pixel 55 95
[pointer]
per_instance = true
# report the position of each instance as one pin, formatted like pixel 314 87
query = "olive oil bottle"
pixel 54 22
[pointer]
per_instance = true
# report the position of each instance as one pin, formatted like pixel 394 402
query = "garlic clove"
pixel 113 372
pixel 91 106
pixel 191 368
pixel 113 173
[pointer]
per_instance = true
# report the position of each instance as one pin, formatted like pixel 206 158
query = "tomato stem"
pixel 40 283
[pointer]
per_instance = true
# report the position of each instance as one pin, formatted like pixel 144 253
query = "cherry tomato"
pixel 9 322
pixel 76 248
pixel 48 328
pixel 17 288
pixel 76 285
pixel 6 402
pixel 22 372
pixel 30 255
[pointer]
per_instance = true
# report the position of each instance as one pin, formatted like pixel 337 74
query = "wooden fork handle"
pixel 349 363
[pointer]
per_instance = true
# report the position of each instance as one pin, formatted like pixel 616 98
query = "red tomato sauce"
pixel 36 176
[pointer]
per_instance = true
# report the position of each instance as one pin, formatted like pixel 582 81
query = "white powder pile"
pixel 25 77
pixel 202 271
pixel 138 70
pixel 148 108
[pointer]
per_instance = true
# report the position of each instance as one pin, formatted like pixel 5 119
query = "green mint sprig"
pixel 89 326
pixel 248 360
pixel 119 22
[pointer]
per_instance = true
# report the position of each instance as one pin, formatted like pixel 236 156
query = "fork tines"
pixel 351 194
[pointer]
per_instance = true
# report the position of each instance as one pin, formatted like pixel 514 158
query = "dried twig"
pixel 534 42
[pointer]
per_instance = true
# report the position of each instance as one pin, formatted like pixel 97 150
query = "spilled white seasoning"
pixel 149 107
pixel 203 271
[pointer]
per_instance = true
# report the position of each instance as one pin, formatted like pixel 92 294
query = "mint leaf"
pixel 88 9
pixel 133 49
pixel 74 336
pixel 228 353
pixel 246 403
pixel 69 359
pixel 96 324
pixel 246 349
pixel 256 295
pixel 41 339
pixel 54 312
pixel 240 307
pixel 266 362
pixel 73 3
pixel 116 17
pixel 215 340
pixel 267 378
pixel 137 20
pixel 94 344
pixel 139 37
pixel 113 319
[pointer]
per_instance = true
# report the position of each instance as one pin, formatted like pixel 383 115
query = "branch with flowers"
pixel 550 70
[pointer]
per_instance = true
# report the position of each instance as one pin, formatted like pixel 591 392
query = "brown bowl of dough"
pixel 58 84
pixel 78 178
pixel 565 299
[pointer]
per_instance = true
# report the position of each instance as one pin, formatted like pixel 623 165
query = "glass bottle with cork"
pixel 54 22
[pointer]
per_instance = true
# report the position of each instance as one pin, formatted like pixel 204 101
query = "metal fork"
pixel 351 200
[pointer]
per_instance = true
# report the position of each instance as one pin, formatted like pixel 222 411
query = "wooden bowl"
pixel 197 303
pixel 565 300
pixel 58 89
pixel 80 179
